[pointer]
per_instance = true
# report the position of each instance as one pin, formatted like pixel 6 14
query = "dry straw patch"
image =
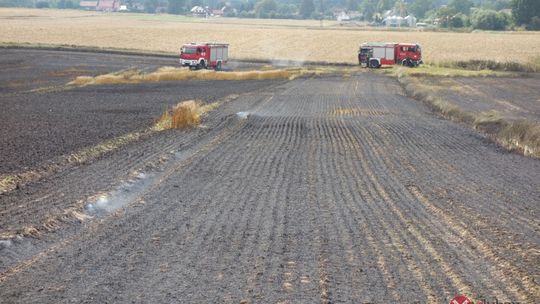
pixel 252 39
pixel 185 114
pixel 180 74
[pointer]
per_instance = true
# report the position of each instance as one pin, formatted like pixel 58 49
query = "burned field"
pixel 25 70
pixel 41 120
pixel 512 98
pixel 503 106
pixel 329 188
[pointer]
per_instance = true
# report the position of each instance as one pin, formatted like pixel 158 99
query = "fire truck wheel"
pixel 201 65
pixel 407 62
pixel 374 64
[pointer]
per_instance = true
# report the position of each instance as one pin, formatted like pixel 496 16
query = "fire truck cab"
pixel 374 55
pixel 204 55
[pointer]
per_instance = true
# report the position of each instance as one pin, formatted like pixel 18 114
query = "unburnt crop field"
pixel 252 39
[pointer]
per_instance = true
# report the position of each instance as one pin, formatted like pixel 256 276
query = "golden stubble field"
pixel 252 39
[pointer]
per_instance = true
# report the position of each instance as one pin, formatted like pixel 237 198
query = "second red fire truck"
pixel 374 55
pixel 204 55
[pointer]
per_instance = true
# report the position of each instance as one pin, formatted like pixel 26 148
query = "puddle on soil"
pixel 18 247
pixel 12 249
pixel 181 155
pixel 243 115
pixel 121 196
pixel 5 244
pixel 128 191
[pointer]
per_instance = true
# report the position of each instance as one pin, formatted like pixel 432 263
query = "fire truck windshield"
pixel 189 50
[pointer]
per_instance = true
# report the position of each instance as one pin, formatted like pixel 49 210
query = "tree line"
pixel 475 14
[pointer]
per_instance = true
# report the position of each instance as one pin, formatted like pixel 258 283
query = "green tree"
pixel 384 5
pixel 176 6
pixel 420 7
pixel 401 8
pixel 461 6
pixel 524 10
pixel 150 6
pixel 445 14
pixel 307 7
pixel 193 3
pixel 287 10
pixel 534 24
pixel 13 3
pixel 495 4
pixel 489 20
pixel 457 21
pixel 352 5
pixel 321 8
pixel 265 7
pixel 42 4
pixel 368 8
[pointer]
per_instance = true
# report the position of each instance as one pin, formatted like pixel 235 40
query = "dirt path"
pixel 331 190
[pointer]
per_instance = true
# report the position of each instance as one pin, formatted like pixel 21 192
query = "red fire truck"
pixel 204 55
pixel 374 55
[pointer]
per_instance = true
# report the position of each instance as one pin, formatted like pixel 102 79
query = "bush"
pixel 244 14
pixel 65 4
pixel 489 20
pixel 534 24
pixel 524 11
pixel 42 4
pixel 457 21
pixel 16 3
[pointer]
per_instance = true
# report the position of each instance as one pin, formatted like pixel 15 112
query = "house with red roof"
pixel 108 5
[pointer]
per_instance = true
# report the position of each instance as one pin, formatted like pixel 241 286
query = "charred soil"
pixel 325 189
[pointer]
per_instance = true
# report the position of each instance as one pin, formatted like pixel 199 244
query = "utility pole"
pixel 322 12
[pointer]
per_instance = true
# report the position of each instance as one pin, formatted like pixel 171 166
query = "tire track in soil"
pixel 318 196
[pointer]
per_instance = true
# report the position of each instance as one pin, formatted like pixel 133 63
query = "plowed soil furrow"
pixel 42 198
pixel 382 189
pixel 411 213
pixel 380 279
pixel 397 228
pixel 462 182
pixel 387 175
pixel 460 233
pixel 332 190
pixel 439 158
pixel 460 219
